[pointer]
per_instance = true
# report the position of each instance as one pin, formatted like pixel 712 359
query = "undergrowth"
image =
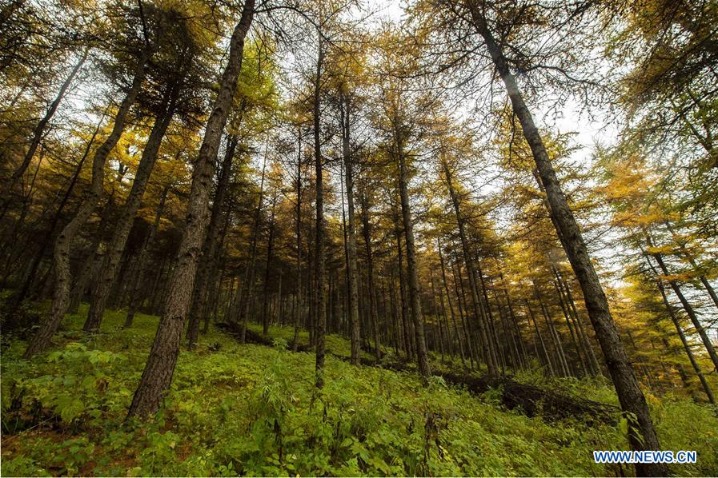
pixel 252 410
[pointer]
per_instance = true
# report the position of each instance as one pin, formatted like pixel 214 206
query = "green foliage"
pixel 253 410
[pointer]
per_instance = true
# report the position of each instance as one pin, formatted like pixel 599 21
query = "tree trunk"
pixel 319 257
pixel 686 345
pixel 353 293
pixel 211 245
pixel 373 315
pixel 251 269
pixel 642 434
pixel 63 244
pixel 29 278
pixel 137 294
pixel 688 308
pixel 157 375
pixel 39 130
pixel 479 318
pixel 108 273
pixel 267 269
pixel 412 272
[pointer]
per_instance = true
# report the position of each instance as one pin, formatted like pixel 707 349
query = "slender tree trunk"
pixel 137 295
pixel 412 272
pixel 593 361
pixel 353 294
pixel 688 308
pixel 407 341
pixel 157 375
pixel 298 312
pixel 63 244
pixel 457 332
pixel 39 130
pixel 642 434
pixel 37 258
pixel 108 273
pixel 251 269
pixel 373 315
pixel 320 228
pixel 479 317
pixel 540 337
pixel 686 345
pixel 689 257
pixel 267 270
pixel 211 247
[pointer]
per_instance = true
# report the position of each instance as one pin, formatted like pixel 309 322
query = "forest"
pixel 358 238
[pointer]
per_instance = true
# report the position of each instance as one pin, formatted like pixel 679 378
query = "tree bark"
pixel 157 375
pixel 210 248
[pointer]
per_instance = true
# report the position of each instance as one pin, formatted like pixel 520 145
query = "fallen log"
pixel 532 400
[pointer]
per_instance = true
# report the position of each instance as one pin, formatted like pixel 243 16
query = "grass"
pixel 252 410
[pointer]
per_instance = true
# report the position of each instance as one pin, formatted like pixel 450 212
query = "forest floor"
pixel 252 410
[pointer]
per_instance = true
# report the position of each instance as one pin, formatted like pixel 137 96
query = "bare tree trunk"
pixel 29 278
pixel 689 257
pixel 157 375
pixel 251 268
pixel 63 244
pixel 540 337
pixel 457 331
pixel 642 434
pixel 373 315
pixel 298 312
pixel 480 319
pixel 267 269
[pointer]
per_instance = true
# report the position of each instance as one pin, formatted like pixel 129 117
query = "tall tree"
pixel 157 375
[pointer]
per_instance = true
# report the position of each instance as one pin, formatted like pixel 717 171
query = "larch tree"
pixel 488 25
pixel 157 375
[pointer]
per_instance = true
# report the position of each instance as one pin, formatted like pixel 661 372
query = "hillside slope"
pixel 250 410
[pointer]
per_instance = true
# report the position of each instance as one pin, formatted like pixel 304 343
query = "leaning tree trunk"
pixel 690 311
pixel 108 273
pixel 61 255
pixel 157 375
pixel 137 295
pixel 686 345
pixel 642 434
pixel 40 129
pixel 29 278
